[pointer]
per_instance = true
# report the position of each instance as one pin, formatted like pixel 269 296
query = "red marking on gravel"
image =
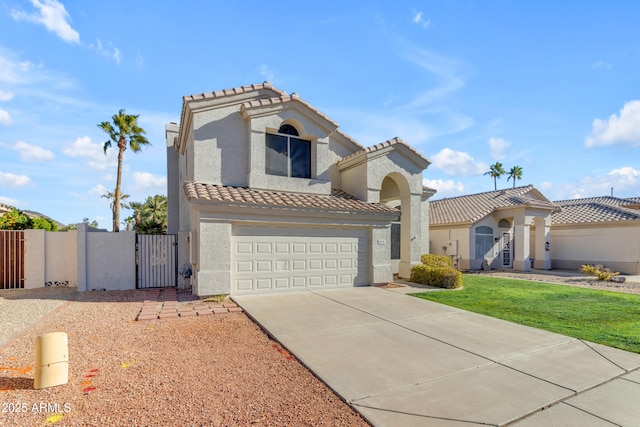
pixel 88 390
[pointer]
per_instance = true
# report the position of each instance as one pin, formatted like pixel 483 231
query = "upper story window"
pixel 288 155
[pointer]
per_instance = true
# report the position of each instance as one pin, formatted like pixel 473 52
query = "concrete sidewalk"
pixel 402 361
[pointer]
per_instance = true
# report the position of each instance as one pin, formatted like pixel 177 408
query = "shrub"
pixel 431 260
pixel 440 277
pixel 602 273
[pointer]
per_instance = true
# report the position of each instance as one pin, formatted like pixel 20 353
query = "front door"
pixel 506 250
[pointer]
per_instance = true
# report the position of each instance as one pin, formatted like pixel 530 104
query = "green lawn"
pixel 604 317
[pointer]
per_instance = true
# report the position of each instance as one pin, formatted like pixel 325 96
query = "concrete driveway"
pixel 402 361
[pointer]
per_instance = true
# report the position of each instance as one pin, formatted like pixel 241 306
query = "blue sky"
pixel 553 87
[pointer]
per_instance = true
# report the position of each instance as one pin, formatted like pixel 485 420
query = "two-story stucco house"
pixel 267 195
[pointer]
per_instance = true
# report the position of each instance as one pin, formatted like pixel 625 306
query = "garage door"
pixel 268 259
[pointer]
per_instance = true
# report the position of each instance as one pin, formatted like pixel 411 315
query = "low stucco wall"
pixel 106 261
pixel 615 247
pixel 50 259
pixel 61 262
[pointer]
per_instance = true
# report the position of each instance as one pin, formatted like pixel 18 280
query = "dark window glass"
pixel 395 241
pixel 277 158
pixel 300 158
pixel 288 130
pixel 287 155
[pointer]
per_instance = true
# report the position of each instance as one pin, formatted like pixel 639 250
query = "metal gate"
pixel 157 260
pixel 11 259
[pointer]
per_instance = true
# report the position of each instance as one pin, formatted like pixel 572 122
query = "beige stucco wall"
pixel 451 238
pixel 61 262
pixel 615 246
pixel 106 260
pixel 50 258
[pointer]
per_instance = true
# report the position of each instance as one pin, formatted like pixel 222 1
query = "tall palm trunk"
pixel 122 145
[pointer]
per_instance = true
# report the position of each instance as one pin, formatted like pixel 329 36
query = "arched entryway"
pixel 395 192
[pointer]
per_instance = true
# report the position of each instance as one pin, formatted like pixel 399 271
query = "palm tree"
pixel 112 196
pixel 150 216
pixel 123 131
pixel 495 171
pixel 515 173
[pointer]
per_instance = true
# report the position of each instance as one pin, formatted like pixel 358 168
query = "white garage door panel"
pixel 271 259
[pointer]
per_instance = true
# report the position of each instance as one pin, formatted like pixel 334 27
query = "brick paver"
pixel 163 304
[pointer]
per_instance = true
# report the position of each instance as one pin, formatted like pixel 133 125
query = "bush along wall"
pixel 437 271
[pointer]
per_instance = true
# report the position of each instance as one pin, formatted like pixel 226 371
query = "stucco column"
pixel 214 268
pixel 542 255
pixel 81 235
pixel 410 234
pixel 520 245
pixel 381 253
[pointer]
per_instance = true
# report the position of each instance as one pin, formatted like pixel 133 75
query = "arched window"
pixel 504 223
pixel 287 155
pixel 484 242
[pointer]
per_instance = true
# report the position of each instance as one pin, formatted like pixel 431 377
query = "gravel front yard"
pixel 218 370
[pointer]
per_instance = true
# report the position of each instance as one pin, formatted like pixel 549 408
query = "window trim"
pixel 481 233
pixel 289 137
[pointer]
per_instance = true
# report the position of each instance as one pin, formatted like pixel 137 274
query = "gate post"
pixel 82 256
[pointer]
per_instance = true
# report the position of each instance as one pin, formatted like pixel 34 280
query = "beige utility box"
pixel 52 360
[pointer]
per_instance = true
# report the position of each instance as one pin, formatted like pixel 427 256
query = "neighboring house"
pixel 497 229
pixel 267 194
pixel 597 230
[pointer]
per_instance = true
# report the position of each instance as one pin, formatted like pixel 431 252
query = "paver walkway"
pixel 403 361
pixel 162 303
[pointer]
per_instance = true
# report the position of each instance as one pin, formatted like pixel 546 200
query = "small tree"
pixel 495 171
pixel 515 173
pixel 149 217
pixel 15 219
pixel 122 131
pixel 42 223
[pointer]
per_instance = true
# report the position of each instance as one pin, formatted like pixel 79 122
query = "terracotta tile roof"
pixel 597 209
pixel 338 201
pixel 232 91
pixel 282 99
pixel 471 208
pixel 380 146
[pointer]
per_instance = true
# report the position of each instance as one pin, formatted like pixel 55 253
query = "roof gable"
pixel 471 208
pixel 395 144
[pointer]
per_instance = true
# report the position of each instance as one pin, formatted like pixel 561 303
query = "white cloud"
pixel 623 129
pixel 448 188
pixel 148 181
pixel 10 202
pixel 110 51
pixel 5 118
pixel 99 190
pixel 96 159
pixel 498 147
pixel 53 16
pixel 624 181
pixel 446 71
pixel 139 60
pixel 457 163
pixel 5 95
pixel 601 65
pixel 419 19
pixel 32 153
pixel 625 176
pixel 8 179
pixel 267 73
